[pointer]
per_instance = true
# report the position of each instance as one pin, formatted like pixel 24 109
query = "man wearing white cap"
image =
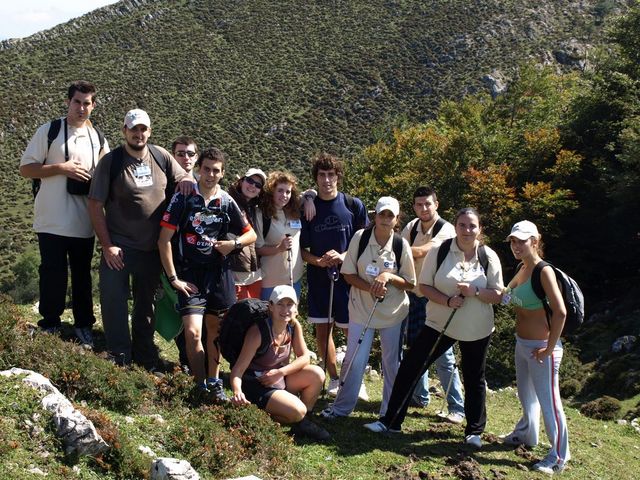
pixel 60 158
pixel 126 202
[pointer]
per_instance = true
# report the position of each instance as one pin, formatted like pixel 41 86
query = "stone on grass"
pixel 172 469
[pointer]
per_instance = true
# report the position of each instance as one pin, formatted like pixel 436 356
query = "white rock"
pixel 157 418
pixel 147 451
pixel 37 471
pixel 172 469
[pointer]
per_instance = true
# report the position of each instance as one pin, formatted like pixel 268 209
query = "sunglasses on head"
pixel 185 153
pixel 253 182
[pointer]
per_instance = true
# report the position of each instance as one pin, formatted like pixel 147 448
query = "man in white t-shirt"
pixel 64 166
pixel 423 233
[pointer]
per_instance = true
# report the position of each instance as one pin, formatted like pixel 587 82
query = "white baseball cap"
pixel 256 171
pixel 137 117
pixel 523 230
pixel 388 203
pixel 283 291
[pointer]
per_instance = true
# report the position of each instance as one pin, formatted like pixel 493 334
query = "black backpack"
pixel 571 296
pixel 236 322
pixel 436 229
pixel 52 134
pixel 397 245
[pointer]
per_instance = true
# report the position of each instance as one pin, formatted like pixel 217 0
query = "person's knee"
pixel 316 373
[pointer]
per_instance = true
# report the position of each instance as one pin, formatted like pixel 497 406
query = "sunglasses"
pixel 187 153
pixel 253 182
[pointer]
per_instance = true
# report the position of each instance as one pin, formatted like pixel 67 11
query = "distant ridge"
pixel 271 82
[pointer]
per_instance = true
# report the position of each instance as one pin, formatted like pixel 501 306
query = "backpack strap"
pixel 100 139
pixel 364 241
pixel 483 258
pixel 52 134
pixel 266 226
pixel 351 204
pixel 538 289
pixel 443 250
pixel 397 249
pixel 414 232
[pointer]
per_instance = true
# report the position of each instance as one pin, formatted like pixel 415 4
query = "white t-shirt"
pixel 55 210
pixel 378 259
pixel 447 231
pixel 275 268
pixel 474 320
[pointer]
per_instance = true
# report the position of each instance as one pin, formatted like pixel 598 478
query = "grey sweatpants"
pixel 538 389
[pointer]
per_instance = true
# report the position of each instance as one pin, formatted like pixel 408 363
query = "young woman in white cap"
pixel 244 263
pixel 378 301
pixel 538 351
pixel 286 390
pixel 278 227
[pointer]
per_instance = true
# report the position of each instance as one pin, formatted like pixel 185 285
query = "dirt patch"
pixel 465 467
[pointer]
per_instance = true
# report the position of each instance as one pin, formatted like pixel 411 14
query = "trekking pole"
pixel 333 277
pixel 417 378
pixel 343 378
pixel 290 262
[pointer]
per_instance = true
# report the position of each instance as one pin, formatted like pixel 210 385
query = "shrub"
pixel 25 273
pixel 603 408
pixel 569 387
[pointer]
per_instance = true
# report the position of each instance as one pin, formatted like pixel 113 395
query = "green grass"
pixel 427 447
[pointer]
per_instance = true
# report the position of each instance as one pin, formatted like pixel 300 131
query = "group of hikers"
pixel 431 286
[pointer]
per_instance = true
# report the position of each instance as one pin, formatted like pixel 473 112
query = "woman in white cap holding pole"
pixel 379 268
pixel 538 349
pixel 245 264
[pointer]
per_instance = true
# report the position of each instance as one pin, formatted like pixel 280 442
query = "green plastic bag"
pixel 168 321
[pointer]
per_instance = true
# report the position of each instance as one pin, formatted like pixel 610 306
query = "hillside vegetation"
pixel 272 82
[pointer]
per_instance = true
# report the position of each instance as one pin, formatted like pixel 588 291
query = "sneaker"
pixel 455 417
pixel 309 429
pixel 334 386
pixel 511 439
pixel 548 467
pixel 329 413
pixel 85 336
pixel 379 427
pixel 362 393
pixel 216 390
pixel 473 441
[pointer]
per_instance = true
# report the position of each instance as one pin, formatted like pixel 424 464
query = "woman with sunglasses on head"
pixel 245 264
pixel 278 227
pixel 538 351
pixel 460 292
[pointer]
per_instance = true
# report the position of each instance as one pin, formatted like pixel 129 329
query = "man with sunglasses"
pixel 185 151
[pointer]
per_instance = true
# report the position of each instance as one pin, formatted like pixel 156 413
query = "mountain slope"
pixel 269 82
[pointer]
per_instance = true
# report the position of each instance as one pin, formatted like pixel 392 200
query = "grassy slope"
pixel 270 82
pixel 600 450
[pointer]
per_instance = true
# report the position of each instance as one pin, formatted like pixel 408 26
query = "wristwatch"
pixel 238 245
pixel 477 294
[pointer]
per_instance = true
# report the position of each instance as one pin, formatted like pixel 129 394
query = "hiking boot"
pixel 51 330
pixel 362 393
pixel 549 467
pixel 334 386
pixel 307 428
pixel 379 427
pixel 455 417
pixel 473 441
pixel 84 336
pixel 216 390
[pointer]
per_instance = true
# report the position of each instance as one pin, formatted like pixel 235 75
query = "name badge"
pixel 295 224
pixel 142 176
pixel 373 270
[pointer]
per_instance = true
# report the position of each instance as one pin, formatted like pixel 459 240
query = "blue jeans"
pixel 445 364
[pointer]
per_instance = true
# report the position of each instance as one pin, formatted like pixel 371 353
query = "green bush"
pixel 603 408
pixel 25 277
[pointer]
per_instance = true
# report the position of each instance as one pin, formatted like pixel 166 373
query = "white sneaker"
pixel 379 427
pixel 455 417
pixel 548 467
pixel 473 441
pixel 334 386
pixel 362 394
